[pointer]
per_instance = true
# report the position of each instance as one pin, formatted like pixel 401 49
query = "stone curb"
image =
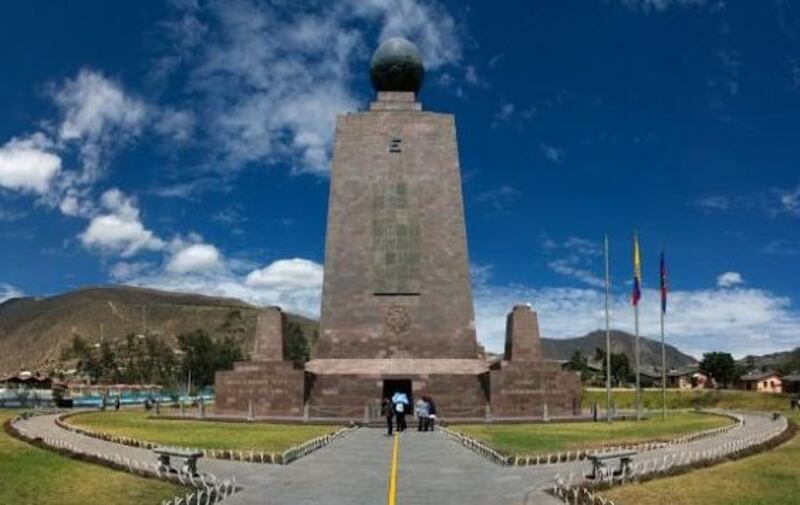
pixel 494 455
pixel 205 491
pixel 250 456
pixel 586 492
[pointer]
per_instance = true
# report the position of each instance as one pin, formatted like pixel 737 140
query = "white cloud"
pixel 28 164
pixel 729 279
pixel 293 273
pixel 195 258
pixel 178 125
pixel 271 82
pixel 294 284
pixel 99 115
pixel 499 197
pixel 566 266
pixel 578 258
pixel 119 229
pixel 740 321
pixel 7 291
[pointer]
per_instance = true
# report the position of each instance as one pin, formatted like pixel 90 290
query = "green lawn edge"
pixel 530 439
pixel 200 433
pixel 32 474
pixel 767 475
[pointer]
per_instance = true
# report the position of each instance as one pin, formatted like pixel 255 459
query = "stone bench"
pixel 600 462
pixel 190 459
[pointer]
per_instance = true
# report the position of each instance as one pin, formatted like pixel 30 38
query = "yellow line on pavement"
pixel 393 471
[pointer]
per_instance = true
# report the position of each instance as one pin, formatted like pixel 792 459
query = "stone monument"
pixel 397 310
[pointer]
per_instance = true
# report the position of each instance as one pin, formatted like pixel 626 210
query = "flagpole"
pixel 638 377
pixel 637 274
pixel 663 371
pixel 608 337
pixel 663 285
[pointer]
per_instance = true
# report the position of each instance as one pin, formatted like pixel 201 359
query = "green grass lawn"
pixel 552 437
pixel 769 478
pixel 32 475
pixel 201 434
pixel 677 399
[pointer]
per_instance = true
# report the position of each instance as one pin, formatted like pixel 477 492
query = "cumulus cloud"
pixel 195 258
pixel 741 321
pixel 28 164
pixel 729 279
pixel 119 229
pixel 293 273
pixel 294 284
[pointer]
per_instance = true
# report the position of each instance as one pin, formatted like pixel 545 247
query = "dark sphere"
pixel 396 66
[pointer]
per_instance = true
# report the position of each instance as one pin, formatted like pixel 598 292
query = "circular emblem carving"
pixel 397 319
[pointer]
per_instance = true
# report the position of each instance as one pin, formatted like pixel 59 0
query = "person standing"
pixel 400 402
pixel 387 409
pixel 431 413
pixel 421 410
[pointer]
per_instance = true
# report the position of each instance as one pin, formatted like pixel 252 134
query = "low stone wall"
pixel 205 489
pixel 250 456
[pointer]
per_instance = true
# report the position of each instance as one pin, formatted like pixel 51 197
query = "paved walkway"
pixel 354 470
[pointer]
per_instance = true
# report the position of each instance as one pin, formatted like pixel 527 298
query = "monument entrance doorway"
pixel 392 386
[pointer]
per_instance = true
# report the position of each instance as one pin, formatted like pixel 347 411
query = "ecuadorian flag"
pixel 637 272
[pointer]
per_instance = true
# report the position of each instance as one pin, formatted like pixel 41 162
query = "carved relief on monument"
pixel 396 236
pixel 397 320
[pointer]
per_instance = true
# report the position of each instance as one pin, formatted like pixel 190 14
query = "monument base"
pixel 260 389
pixel 534 390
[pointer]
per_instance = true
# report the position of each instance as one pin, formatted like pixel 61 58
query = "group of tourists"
pixel 398 406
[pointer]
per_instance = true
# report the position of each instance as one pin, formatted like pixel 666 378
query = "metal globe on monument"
pixel 397 66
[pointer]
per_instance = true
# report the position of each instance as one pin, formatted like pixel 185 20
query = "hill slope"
pixel 33 331
pixel 650 350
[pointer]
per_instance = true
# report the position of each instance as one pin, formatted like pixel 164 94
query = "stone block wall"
pixel 275 388
pixel 522 389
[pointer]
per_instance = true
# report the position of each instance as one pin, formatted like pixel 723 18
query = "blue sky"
pixel 186 145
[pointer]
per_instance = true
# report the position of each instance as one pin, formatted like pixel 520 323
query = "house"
pixel 27 389
pixel 791 383
pixel 763 382
pixel 688 378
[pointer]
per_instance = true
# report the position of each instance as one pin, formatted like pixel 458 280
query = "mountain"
pixel 786 361
pixel 34 331
pixel 650 350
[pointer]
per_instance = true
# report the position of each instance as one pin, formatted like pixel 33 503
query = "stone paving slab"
pixel 354 470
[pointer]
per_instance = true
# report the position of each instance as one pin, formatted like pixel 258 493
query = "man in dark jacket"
pixel 431 414
pixel 387 409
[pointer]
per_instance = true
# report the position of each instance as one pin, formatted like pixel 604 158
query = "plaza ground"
pixel 32 475
pixel 544 438
pixel 143 425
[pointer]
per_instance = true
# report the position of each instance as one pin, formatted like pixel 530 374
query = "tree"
pixel 202 357
pixel 720 366
pixel 621 371
pixel 296 347
pixel 578 363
